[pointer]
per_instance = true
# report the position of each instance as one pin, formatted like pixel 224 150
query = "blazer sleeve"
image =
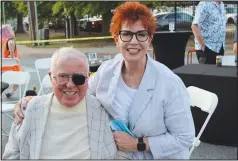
pixel 12 148
pixel 19 138
pixel 179 123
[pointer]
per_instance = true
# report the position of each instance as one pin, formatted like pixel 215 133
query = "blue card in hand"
pixel 119 125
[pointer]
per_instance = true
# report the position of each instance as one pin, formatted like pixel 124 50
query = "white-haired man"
pixel 68 123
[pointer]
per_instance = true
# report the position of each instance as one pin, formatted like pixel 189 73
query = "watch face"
pixel 141 146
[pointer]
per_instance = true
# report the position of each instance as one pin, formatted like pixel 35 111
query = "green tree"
pixel 105 9
pixel 17 10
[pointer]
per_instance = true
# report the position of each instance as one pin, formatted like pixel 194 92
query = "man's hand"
pixel 125 142
pixel 203 47
pixel 19 109
pixel 235 48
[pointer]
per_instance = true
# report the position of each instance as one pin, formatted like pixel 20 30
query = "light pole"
pixel 36 19
pixel 3 12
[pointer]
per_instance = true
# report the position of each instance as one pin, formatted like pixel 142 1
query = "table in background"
pixel 93 67
pixel 169 47
pixel 4 86
pixel 222 128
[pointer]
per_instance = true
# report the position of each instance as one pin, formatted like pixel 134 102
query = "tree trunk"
pixel 71 25
pixel 106 22
pixel 19 24
pixel 32 22
pixel 67 29
pixel 74 24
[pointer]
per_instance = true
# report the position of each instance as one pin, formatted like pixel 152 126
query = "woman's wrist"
pixel 147 144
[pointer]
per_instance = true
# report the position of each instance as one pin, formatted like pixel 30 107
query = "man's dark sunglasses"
pixel 63 79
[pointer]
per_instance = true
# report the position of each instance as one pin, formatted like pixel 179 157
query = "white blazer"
pixel 26 142
pixel 160 109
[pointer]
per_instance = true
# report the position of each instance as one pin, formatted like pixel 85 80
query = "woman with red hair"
pixel 146 95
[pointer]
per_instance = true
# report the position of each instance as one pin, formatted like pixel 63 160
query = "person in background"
pixel 10 51
pixel 209 28
pixel 235 43
pixel 144 94
pixel 235 49
pixel 65 124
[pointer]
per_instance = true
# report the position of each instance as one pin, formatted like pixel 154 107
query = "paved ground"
pixel 28 57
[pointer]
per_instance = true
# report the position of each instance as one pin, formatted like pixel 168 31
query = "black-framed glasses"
pixel 63 79
pixel 141 35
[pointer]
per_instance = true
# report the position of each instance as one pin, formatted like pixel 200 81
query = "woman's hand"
pixel 19 109
pixel 125 142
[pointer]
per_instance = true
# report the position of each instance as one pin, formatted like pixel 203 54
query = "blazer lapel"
pixel 42 115
pixel 112 88
pixel 143 96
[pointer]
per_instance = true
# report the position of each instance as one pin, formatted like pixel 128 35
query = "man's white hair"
pixel 67 53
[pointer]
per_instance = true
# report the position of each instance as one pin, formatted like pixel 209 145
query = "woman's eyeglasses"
pixel 141 35
pixel 63 79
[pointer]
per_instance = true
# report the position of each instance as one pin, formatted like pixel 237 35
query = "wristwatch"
pixel 141 146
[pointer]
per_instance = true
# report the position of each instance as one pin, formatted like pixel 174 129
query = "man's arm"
pixel 200 17
pixel 198 35
pixel 235 43
pixel 235 47
pixel 12 149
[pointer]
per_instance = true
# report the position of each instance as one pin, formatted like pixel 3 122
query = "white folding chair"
pixel 207 102
pixel 14 77
pixel 43 64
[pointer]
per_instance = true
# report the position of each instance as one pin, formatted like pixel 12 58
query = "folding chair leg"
pixel 191 150
pixel 39 92
pixel 8 116
pixel 4 133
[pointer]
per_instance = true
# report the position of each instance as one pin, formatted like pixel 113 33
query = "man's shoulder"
pixel 39 101
pixel 92 101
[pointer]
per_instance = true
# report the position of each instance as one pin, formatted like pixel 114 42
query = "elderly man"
pixel 68 123
pixel 209 28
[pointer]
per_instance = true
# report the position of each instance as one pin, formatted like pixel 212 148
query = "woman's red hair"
pixel 132 12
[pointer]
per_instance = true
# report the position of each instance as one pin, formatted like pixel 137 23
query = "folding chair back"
pixel 14 77
pixel 207 102
pixel 17 77
pixel 43 64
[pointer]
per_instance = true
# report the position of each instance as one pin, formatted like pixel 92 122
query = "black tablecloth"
pixel 169 47
pixel 4 86
pixel 222 128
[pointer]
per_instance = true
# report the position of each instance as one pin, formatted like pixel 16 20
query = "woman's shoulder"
pixel 110 65
pixel 164 73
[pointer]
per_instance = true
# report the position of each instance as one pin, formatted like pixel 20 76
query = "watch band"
pixel 140 140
